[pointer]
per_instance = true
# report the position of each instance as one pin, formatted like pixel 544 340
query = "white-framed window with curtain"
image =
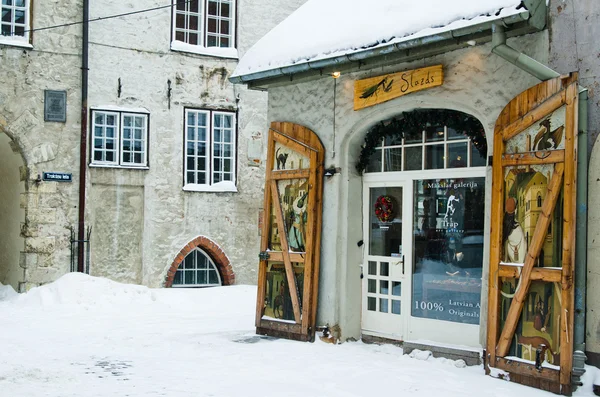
pixel 210 150
pixel 205 27
pixel 119 139
pixel 15 22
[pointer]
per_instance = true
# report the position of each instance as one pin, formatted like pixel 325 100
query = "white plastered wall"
pixel 142 218
pixel 475 82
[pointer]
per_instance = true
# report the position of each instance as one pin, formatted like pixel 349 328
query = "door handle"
pixel 403 265
pixel 401 261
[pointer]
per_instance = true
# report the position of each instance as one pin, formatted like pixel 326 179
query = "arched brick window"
pixel 204 246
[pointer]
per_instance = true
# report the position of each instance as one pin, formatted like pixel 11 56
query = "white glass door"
pixel 386 272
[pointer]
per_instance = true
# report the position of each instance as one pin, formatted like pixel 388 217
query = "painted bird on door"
pixel 546 138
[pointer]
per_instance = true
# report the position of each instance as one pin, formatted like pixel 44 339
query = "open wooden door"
pixel 532 247
pixel 291 233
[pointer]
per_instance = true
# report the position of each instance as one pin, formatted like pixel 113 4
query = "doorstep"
pixel 470 356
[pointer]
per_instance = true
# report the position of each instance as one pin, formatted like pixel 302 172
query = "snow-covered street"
pixel 86 336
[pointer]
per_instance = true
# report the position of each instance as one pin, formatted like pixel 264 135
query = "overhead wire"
pixel 108 17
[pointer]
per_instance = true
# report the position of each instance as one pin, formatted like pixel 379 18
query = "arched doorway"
pixel 11 213
pixel 423 205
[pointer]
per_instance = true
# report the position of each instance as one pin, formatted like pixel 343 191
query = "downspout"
pixel 581 230
pixel 520 60
pixel 543 72
pixel 83 142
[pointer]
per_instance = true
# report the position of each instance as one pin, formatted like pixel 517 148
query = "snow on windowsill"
pixel 115 108
pixel 210 51
pixel 522 360
pixel 124 167
pixel 217 187
pixel 427 342
pixel 15 41
pixel 515 264
pixel 280 320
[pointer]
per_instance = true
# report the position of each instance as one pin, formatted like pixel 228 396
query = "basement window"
pixel 197 270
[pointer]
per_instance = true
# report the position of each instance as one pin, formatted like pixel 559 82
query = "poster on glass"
pixel 448 249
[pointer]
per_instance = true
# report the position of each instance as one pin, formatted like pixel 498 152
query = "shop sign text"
pixel 375 90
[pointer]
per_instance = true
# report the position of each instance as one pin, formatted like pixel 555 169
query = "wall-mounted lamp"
pixel 335 75
pixel 331 171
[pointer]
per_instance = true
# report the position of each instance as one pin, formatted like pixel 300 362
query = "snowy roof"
pixel 324 29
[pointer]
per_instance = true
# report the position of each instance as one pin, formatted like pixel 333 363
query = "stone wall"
pixel 574 31
pixel 141 219
pixel 49 209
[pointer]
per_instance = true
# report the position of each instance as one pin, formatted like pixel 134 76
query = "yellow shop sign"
pixel 374 90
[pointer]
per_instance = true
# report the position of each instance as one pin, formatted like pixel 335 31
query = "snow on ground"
pixel 322 29
pixel 86 336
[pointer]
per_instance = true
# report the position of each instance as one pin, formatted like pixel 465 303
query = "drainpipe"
pixel 83 142
pixel 543 72
pixel 581 230
pixel 520 60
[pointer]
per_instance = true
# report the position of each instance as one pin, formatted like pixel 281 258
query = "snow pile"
pixel 425 355
pixel 7 292
pixel 87 291
pixel 322 29
pixel 138 342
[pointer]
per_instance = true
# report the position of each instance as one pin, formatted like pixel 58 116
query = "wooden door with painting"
pixel 532 241
pixel 291 233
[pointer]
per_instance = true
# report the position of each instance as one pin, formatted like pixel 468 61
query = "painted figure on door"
pixel 281 159
pixel 514 240
pixel 298 221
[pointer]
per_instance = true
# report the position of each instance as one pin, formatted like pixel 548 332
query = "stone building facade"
pixel 148 201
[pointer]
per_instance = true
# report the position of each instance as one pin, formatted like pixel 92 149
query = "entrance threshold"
pixel 471 356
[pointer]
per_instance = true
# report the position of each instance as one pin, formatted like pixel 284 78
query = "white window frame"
pixel 210 267
pixel 210 185
pixel 17 40
pixel 423 145
pixel 202 30
pixel 119 126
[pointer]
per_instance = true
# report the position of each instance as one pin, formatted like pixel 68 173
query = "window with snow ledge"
pixel 210 151
pixel 119 138
pixel 15 23
pixel 204 27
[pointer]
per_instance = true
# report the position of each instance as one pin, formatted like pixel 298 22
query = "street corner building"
pixel 449 209
pixel 125 152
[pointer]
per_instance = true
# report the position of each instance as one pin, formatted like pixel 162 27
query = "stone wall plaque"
pixel 55 106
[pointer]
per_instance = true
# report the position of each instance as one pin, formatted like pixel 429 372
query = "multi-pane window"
pixel 196 270
pixel 210 147
pixel 14 25
pixel 119 138
pixel 204 23
pixel 437 147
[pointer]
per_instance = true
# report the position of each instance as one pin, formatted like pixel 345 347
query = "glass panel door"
pixel 448 249
pixel 385 292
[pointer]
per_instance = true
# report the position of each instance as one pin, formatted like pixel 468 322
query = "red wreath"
pixel 384 208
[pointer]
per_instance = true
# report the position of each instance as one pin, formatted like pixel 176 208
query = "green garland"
pixel 414 122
